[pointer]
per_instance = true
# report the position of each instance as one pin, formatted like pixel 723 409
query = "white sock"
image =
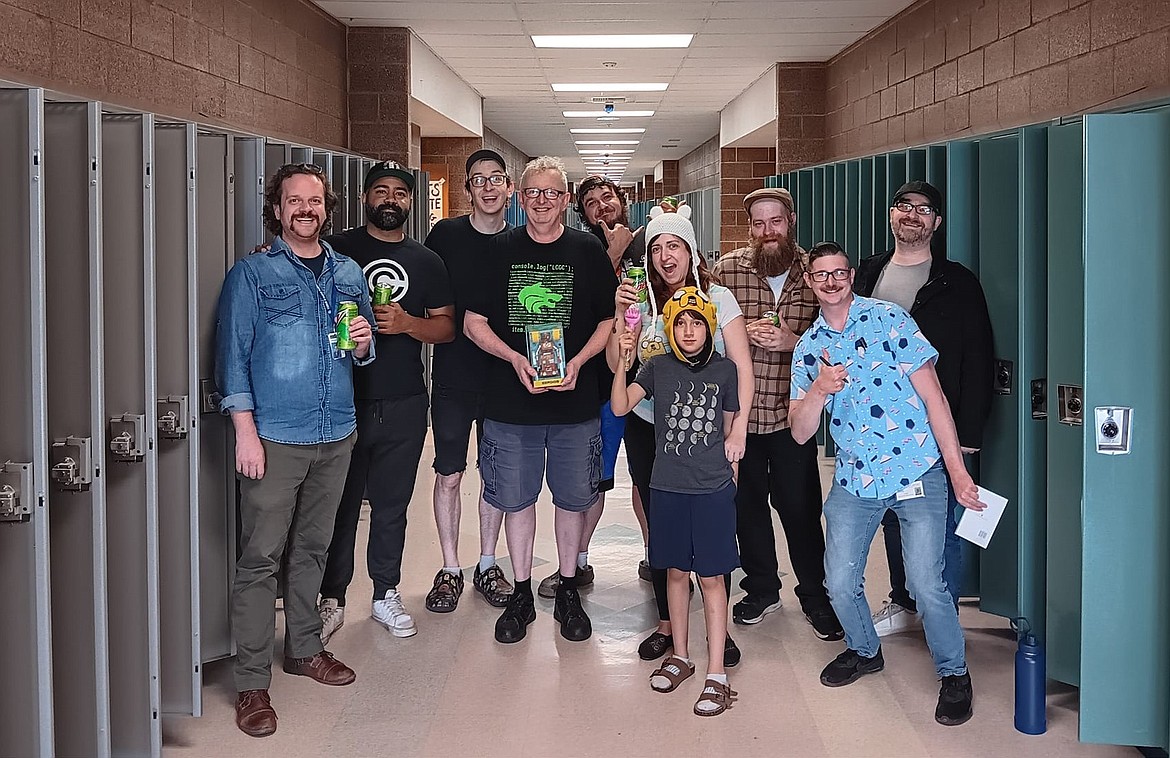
pixel 486 562
pixel 721 678
pixel 583 559
pixel 661 682
pixel 453 569
pixel 706 705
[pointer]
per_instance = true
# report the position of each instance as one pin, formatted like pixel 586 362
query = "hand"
pixel 763 333
pixel 831 378
pixel 570 383
pixel 262 248
pixel 626 343
pixel 969 450
pixel 361 333
pixel 617 240
pixel 625 296
pixel 391 319
pixel 526 373
pixel 250 456
pixel 966 492
pixel 733 448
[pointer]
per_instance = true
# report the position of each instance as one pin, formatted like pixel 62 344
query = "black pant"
pixel 775 466
pixel 383 468
pixel 640 449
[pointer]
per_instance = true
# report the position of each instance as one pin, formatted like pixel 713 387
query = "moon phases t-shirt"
pixel 688 422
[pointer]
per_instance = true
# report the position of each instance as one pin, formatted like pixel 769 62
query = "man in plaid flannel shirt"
pixel 767 276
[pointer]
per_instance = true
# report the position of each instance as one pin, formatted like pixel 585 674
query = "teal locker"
pixel 804 207
pixel 839 213
pixel 916 164
pixel 961 195
pixel 819 180
pixel 1066 361
pixel 1125 595
pixel 883 239
pixel 1012 259
pixel 865 209
pixel 851 237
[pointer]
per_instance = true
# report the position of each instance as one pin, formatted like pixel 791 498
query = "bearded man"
pixel 390 397
pixel 767 276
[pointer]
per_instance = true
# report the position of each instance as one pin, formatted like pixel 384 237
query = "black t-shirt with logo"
pixel 460 364
pixel 525 283
pixel 420 283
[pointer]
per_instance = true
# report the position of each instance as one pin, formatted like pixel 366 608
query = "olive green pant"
pixel 286 518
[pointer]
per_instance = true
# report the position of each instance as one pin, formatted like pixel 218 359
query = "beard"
pixel 388 217
pixel 623 218
pixel 911 235
pixel 772 262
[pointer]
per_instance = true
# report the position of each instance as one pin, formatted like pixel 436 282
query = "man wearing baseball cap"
pixel 947 301
pixel 767 276
pixel 390 398
pixel 458 372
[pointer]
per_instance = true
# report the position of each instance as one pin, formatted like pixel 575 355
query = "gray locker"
pixel 178 434
pixel 74 316
pixel 356 172
pixel 248 162
pixel 129 449
pixel 26 699
pixel 341 186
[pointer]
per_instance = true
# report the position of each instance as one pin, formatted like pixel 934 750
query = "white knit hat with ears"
pixel 678 223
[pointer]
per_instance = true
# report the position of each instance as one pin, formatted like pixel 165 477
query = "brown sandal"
pixel 674 670
pixel 718 693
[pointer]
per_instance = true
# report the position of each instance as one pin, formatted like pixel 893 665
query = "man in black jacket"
pixel 947 301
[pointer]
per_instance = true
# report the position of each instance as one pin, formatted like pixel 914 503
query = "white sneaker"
pixel 332 618
pixel 892 618
pixel 391 613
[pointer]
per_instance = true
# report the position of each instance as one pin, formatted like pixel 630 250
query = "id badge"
pixel 914 490
pixel 337 354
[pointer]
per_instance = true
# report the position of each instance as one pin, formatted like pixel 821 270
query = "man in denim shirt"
pixel 866 362
pixel 289 392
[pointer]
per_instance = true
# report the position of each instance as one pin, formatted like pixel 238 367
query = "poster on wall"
pixel 437 191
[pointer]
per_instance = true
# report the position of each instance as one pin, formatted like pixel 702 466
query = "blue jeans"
pixel 851 523
pixel 952 555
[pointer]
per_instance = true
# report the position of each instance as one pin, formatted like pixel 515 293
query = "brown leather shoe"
pixel 322 667
pixel 254 713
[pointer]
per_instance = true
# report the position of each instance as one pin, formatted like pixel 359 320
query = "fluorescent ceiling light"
pixel 612 41
pixel 602 114
pixel 606 142
pixel 607 130
pixel 604 152
pixel 599 87
pixel 610 118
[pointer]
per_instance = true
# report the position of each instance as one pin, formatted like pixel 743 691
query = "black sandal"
pixel 444 596
pixel 655 646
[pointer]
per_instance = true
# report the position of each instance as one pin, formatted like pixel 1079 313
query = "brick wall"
pixel 276 67
pixel 511 154
pixel 415 145
pixel 452 152
pixel 699 169
pixel 743 169
pixel 801 107
pixel 379 92
pixel 945 68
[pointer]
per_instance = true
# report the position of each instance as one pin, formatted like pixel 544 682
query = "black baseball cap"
pixel 383 169
pixel 485 155
pixel 926 189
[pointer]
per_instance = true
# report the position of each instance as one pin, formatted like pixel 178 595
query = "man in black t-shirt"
pixel 390 397
pixel 457 377
pixel 542 279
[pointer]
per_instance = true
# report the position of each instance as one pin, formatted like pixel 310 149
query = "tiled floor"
pixel 453 691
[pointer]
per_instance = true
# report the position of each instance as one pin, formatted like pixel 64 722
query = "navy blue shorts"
pixel 694 532
pixel 613 428
pixel 512 464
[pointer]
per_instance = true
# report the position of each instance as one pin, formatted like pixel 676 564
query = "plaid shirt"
pixel 798 308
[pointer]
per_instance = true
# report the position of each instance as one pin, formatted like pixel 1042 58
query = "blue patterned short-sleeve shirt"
pixel 884 442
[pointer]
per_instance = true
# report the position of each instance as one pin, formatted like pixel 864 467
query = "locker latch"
pixel 210 396
pixel 15 491
pixel 127 437
pixel 1003 377
pixel 72 464
pixel 172 417
pixel 1071 404
pixel 1039 398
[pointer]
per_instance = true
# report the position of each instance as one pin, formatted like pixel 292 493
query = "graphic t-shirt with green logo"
pixel 524 283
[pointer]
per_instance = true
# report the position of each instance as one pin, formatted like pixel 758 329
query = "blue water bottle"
pixel 1030 681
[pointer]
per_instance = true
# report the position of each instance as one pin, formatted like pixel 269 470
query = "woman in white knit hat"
pixel 674 261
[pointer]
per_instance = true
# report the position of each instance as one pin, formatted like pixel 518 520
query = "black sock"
pixel 568 581
pixel 523 587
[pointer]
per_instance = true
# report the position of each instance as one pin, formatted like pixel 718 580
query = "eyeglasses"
pixel 921 210
pixel 496 180
pixel 839 274
pixel 550 193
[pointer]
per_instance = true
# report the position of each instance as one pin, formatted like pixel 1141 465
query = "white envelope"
pixel 979 526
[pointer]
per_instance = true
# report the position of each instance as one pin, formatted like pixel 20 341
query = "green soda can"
pixel 346 311
pixel 383 294
pixel 638 274
pixel 772 316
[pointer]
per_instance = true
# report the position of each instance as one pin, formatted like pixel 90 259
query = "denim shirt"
pixel 273 353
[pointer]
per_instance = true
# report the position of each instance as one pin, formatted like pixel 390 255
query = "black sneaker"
pixel 655 646
pixel 731 654
pixel 513 623
pixel 751 610
pixel 954 700
pixel 850 666
pixel 575 624
pixel 825 624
